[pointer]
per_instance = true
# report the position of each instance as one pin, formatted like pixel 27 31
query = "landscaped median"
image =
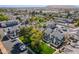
pixel 43 48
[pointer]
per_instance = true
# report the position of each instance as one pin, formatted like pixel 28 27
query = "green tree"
pixel 25 34
pixel 33 35
pixel 22 31
pixel 3 17
pixel 33 13
pixel 36 37
pixel 3 10
pixel 18 18
pixel 77 23
pixel 37 18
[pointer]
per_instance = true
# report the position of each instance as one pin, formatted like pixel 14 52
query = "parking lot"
pixel 9 45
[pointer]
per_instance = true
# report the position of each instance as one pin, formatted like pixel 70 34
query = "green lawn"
pixel 46 49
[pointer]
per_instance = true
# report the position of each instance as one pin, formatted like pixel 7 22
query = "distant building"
pixel 50 24
pixel 12 23
pixel 13 33
pixel 69 20
pixel 2 24
pixel 9 23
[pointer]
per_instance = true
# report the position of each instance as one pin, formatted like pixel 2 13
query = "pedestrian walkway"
pixel 3 49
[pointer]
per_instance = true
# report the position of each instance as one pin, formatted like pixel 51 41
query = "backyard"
pixel 43 48
pixel 46 49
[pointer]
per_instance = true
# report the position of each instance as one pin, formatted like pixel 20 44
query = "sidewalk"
pixel 3 50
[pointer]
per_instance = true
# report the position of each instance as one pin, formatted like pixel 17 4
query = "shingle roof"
pixel 48 30
pixel 57 34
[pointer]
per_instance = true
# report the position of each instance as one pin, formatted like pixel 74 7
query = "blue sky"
pixel 27 5
pixel 22 5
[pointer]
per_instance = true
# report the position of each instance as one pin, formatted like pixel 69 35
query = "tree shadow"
pixel 15 50
pixel 5 38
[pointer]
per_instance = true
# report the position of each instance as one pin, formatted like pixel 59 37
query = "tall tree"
pixel 3 17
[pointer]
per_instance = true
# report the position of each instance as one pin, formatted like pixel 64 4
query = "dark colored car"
pixel 0 25
pixel 21 47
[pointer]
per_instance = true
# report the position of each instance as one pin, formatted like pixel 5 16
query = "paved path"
pixel 71 50
pixel 3 49
pixel 9 45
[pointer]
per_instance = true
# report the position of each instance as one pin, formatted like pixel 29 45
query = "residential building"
pixel 54 37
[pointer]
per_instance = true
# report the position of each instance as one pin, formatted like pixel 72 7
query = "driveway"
pixel 9 45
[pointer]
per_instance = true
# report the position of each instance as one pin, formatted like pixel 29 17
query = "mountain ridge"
pixel 62 6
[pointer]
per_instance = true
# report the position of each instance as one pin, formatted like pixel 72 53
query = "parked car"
pixel 0 25
pixel 21 47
